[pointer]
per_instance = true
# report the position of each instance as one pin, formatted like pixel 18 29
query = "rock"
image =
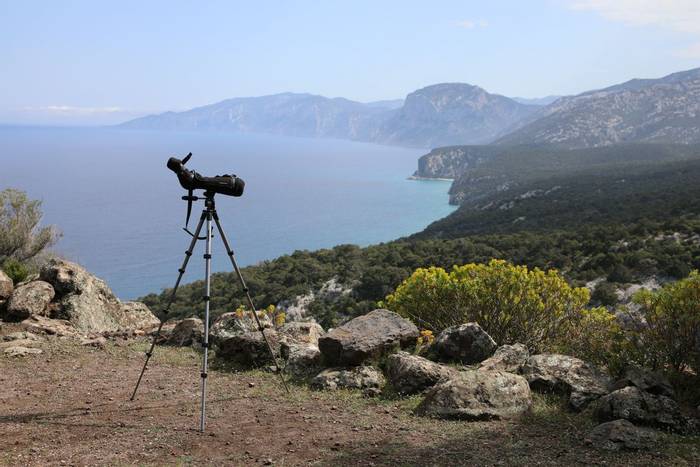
pixel 367 337
pixel 21 335
pixel 467 343
pixel 54 327
pixel 478 395
pixel 232 324
pixel 19 351
pixel 88 302
pixel 410 374
pixel 361 377
pixel 621 435
pixel 6 286
pixel 248 350
pixel 640 408
pixel 301 360
pixel 98 342
pixel 302 331
pixel 508 358
pixel 187 332
pixel 28 300
pixel 653 382
pixel 20 339
pixel 581 381
pixel 137 316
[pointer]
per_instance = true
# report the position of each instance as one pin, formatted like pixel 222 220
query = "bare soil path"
pixel 69 406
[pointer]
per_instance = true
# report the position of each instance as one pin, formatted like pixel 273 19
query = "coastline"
pixel 435 179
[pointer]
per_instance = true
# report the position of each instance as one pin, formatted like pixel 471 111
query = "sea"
pixel 121 215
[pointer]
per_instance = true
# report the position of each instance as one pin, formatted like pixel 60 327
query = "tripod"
pixel 208 213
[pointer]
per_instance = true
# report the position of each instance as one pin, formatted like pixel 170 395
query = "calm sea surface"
pixel 121 215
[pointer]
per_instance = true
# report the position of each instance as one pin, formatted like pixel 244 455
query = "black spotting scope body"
pixel 190 180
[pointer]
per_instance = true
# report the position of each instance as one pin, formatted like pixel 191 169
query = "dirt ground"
pixel 69 406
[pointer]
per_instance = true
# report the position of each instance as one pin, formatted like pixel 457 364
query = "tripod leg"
pixel 166 310
pixel 229 251
pixel 205 343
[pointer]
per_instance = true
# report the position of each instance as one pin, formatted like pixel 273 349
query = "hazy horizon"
pixel 79 63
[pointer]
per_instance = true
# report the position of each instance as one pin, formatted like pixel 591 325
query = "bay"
pixel 121 214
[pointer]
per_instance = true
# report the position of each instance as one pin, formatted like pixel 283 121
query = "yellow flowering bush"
pixel 512 303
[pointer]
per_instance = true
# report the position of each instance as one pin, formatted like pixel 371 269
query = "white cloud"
pixel 680 16
pixel 472 24
pixel 71 110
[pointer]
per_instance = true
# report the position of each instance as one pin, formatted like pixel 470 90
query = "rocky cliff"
pixel 640 110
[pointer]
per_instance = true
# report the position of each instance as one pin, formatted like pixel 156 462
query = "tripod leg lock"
pixel 207 256
pixel 205 345
pixel 204 375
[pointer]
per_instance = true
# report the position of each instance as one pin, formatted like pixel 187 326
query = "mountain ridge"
pixel 436 115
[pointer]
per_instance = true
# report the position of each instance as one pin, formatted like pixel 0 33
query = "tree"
pixel 21 238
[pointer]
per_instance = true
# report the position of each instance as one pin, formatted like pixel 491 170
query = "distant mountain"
pixel 437 115
pixel 536 100
pixel 452 113
pixel 665 110
pixel 391 104
pixel 284 114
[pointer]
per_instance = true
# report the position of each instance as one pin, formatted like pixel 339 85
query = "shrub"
pixel 15 270
pixel 20 237
pixel 672 335
pixel 512 303
pixel 605 294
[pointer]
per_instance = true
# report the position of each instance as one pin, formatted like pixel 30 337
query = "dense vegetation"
pixel 621 253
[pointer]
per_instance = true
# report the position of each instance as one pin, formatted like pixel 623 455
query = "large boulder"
pixel 302 332
pixel 28 300
pixel 581 381
pixel 411 374
pixel 187 332
pixel 478 395
pixel 653 382
pixel 301 360
pixel 6 286
pixel 235 323
pixel 367 378
pixel 248 350
pixel 466 343
pixel 88 302
pixel 367 337
pixel 640 408
pixel 137 316
pixel 621 435
pixel 510 358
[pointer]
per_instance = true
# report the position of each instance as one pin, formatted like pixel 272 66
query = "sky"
pixel 91 63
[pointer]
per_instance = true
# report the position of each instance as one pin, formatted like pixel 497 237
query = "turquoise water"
pixel 121 215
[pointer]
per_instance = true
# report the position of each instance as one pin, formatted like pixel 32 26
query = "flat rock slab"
pixel 581 381
pixel 411 374
pixel 621 435
pixel 19 351
pixel 366 378
pixel 478 395
pixel 367 337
